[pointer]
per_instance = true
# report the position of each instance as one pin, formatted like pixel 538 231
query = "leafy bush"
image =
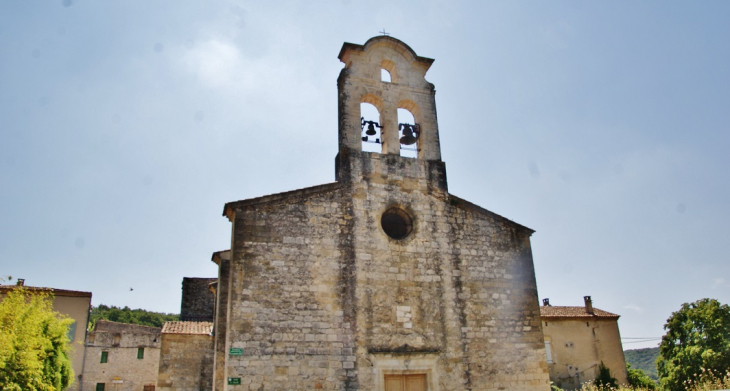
pixel 644 359
pixel 34 343
pixel 637 378
pixel 604 378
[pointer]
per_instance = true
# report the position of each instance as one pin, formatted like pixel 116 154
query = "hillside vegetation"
pixel 644 359
pixel 127 315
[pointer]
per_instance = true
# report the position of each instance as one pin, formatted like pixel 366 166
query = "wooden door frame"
pixel 405 364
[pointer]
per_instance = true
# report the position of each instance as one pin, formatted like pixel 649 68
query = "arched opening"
pixel 385 76
pixel 372 140
pixel 408 133
pixel 387 70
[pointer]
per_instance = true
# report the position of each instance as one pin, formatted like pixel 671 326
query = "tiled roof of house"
pixel 573 312
pixel 187 328
pixel 54 291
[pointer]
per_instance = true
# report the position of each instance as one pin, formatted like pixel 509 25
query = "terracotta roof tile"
pixel 187 328
pixel 573 312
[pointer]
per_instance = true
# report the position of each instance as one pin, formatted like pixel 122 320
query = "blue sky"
pixel 126 126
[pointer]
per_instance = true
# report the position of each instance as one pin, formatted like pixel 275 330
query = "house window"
pixel 72 332
pixel 548 353
pixel 148 388
pixel 104 360
pixel 414 382
pixel 140 353
pixel 99 386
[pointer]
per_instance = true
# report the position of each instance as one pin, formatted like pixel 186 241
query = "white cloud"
pixel 634 307
pixel 718 282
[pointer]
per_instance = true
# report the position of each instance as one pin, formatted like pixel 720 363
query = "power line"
pixel 641 338
pixel 640 341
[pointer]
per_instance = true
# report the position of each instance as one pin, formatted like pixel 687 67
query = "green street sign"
pixel 234 381
pixel 235 351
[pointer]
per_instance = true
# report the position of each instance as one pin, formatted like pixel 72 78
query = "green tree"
pixel 127 315
pixel 638 379
pixel 34 344
pixel 644 359
pixel 604 378
pixel 697 339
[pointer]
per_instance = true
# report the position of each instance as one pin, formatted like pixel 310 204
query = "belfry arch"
pixel 370 122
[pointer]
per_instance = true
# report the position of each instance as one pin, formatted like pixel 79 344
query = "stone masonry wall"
pixel 495 283
pixel 198 302
pixel 320 296
pixel 223 260
pixel 286 294
pixel 186 362
pixel 123 371
pixel 464 275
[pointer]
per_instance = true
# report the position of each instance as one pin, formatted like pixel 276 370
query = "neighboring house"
pixel 186 360
pixel 74 304
pixel 577 340
pixel 121 357
pixel 381 280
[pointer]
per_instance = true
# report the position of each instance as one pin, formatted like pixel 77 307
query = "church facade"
pixel 381 280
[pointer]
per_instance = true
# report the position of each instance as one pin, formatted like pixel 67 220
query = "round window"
pixel 396 223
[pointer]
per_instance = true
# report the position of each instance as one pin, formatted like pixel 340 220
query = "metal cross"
pixel 383 32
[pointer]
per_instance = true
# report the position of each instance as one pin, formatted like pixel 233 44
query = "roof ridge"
pixel 458 201
pixel 47 289
pixel 122 323
pixel 574 312
pixel 277 196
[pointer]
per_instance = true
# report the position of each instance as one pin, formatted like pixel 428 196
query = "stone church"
pixel 382 279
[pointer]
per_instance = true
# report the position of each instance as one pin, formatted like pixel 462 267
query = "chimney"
pixel 589 304
pixel 20 282
pixel 546 302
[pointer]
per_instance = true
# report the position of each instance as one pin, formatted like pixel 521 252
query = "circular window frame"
pixel 399 226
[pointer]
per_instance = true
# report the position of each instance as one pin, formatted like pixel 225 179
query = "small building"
pixel 74 304
pixel 121 357
pixel 577 340
pixel 186 359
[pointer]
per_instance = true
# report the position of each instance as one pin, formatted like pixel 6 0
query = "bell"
pixel 408 137
pixel 371 130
